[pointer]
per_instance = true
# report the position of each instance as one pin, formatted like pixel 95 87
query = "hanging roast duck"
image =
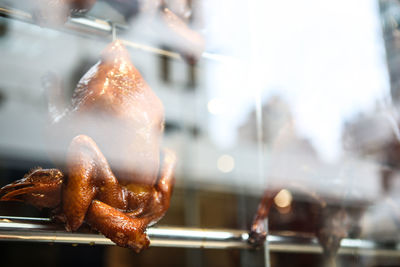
pixel 115 178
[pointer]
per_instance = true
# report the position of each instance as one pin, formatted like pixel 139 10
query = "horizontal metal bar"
pixel 88 26
pixel 79 23
pixel 288 241
pixel 43 230
pixel 92 26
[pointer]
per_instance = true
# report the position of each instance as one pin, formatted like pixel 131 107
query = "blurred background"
pixel 295 95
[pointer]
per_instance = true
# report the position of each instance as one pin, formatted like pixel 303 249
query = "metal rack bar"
pixel 92 26
pixel 43 230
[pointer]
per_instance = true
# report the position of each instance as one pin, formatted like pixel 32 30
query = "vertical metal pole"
pixel 256 82
pixel 267 259
pixel 261 162
pixel 113 31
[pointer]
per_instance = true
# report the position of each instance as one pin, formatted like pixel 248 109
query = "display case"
pixel 283 117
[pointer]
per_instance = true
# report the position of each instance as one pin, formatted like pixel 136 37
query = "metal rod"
pixel 88 26
pixel 43 230
pixel 92 26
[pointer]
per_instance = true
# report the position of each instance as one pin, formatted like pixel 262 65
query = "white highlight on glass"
pixel 226 163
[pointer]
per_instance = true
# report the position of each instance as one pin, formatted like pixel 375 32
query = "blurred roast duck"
pixel 167 20
pixel 332 222
pixel 56 12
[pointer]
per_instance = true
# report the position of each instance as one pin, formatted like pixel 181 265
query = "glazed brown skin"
pixel 115 107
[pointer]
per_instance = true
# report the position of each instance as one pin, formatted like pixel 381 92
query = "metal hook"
pixel 113 31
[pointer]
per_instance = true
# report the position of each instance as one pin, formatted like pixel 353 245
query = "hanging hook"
pixel 113 31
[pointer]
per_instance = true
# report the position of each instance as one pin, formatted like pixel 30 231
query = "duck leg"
pixel 117 226
pixel 89 176
pixel 258 233
pixel 128 229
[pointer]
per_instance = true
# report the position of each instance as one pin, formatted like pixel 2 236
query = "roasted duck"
pixel 114 178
